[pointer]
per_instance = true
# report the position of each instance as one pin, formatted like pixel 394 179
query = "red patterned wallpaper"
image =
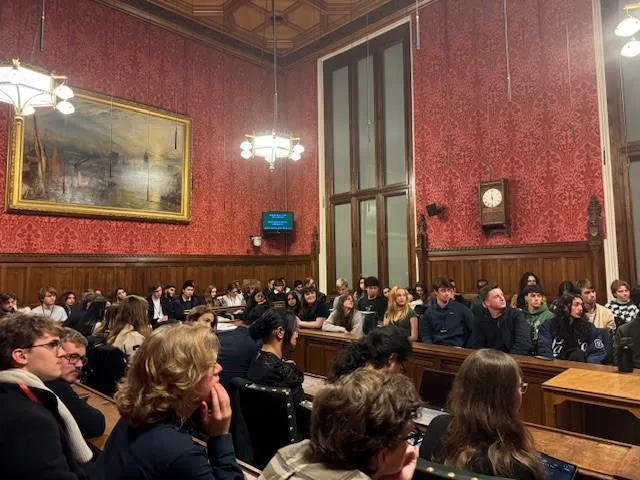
pixel 114 54
pixel 546 141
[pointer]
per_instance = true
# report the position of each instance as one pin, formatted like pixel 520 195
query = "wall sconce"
pixel 256 241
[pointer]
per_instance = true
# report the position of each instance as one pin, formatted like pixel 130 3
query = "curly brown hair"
pixel 359 415
pixel 165 373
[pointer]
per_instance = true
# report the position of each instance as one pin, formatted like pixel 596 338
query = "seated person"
pixel 446 321
pixel 372 301
pixel 40 438
pixel 202 315
pixel 130 326
pixel 237 351
pixel 535 311
pixel 569 335
pixel 400 314
pixel 476 303
pixel 93 315
pixel 597 314
pixel 233 298
pixel 173 376
pixel 624 310
pixel 499 326
pixel 311 283
pixel 211 297
pixel 277 294
pixel 260 306
pixel 6 304
pixel 342 287
pixel 388 348
pixel 279 333
pixel 420 295
pixel 293 303
pixel 458 297
pixel 313 312
pixel 629 335
pixel 186 300
pixel 483 434
pixel 527 278
pixel 90 420
pixel 48 307
pixel 160 308
pixel 344 318
pixel 361 428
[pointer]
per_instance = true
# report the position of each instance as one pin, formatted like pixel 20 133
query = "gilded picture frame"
pixel 111 158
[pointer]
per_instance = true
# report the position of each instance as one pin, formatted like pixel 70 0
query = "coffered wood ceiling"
pixel 246 26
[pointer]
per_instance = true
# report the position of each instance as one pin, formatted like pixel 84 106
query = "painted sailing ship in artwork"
pixel 104 156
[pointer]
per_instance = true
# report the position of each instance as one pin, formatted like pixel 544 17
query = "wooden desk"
pixel 111 416
pixel 607 389
pixel 108 408
pixel 317 350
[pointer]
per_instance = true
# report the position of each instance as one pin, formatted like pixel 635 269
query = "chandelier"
pixel 25 89
pixel 628 28
pixel 272 146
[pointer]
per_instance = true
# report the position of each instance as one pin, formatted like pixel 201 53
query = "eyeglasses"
pixel 523 387
pixel 74 358
pixel 415 438
pixel 52 345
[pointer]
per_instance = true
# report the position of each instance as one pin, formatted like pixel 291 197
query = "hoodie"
pixel 294 462
pixel 537 318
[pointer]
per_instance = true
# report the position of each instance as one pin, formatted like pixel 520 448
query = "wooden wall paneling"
pixel 26 274
pixel 552 262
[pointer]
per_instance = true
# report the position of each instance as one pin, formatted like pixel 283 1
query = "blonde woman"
pixel 400 314
pixel 130 326
pixel 173 375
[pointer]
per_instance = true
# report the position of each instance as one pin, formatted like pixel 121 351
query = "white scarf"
pixel 79 447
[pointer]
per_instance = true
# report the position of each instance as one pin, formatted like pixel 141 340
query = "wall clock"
pixel 494 206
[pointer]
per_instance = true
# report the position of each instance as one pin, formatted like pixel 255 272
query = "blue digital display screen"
pixel 277 222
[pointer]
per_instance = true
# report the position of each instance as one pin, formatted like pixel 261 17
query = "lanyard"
pixel 27 391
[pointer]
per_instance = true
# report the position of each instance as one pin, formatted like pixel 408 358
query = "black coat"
pixel 167 309
pixel 165 451
pixel 510 332
pixel 89 419
pixel 237 351
pixel 33 440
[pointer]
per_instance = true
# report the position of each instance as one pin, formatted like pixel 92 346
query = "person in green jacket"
pixel 535 311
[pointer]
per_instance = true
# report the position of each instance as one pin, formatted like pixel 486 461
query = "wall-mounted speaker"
pixel 433 209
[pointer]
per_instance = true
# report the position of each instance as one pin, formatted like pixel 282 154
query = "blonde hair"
pixel 394 312
pixel 133 311
pixel 165 372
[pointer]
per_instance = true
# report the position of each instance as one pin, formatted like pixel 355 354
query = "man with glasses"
pixel 40 438
pixel 89 419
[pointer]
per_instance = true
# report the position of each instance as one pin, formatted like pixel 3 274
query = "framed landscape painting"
pixel 110 158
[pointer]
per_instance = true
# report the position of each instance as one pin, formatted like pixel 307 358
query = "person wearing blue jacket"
pixel 446 321
pixel 569 335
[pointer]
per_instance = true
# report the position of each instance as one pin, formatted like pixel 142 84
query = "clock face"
pixel 492 198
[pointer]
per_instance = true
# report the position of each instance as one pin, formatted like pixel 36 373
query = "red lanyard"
pixel 27 391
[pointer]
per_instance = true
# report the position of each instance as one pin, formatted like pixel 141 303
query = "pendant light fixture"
pixel 628 28
pixel 272 146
